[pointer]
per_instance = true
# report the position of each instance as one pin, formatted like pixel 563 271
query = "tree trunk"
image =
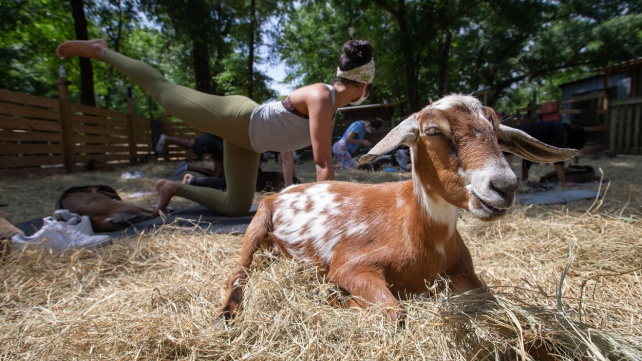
pixel 201 56
pixel 87 96
pixel 443 67
pixel 407 46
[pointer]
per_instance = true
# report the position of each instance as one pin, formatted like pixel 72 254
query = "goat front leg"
pixel 255 238
pixel 368 287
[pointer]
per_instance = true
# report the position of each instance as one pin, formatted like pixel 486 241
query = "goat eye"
pixel 432 131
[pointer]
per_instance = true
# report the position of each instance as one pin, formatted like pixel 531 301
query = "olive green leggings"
pixel 225 116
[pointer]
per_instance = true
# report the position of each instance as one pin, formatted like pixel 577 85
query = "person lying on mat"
pixel 304 118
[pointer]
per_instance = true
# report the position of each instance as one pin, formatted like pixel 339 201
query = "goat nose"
pixel 505 184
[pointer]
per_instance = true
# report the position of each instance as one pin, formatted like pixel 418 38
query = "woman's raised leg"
pixel 225 116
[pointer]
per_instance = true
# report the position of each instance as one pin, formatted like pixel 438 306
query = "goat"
pixel 381 240
pixel 103 206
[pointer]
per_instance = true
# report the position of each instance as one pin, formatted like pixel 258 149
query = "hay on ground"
pixel 567 280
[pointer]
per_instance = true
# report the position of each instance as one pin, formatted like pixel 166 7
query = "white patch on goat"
pixel 468 101
pixel 401 202
pixel 441 249
pixel 439 210
pixel 313 210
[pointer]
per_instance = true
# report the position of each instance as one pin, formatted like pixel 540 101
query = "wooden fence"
pixel 40 134
pixel 625 117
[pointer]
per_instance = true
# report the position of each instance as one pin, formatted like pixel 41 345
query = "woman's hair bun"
pixel 355 54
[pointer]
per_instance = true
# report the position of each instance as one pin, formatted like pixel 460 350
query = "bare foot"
pixel 187 178
pixel 93 49
pixel 166 191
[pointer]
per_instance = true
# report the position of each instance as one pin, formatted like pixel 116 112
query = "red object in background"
pixel 550 111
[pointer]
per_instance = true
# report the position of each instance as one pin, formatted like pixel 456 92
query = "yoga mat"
pixel 197 218
pixel 556 197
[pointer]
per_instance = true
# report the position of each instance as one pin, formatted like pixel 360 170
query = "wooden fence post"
pixel 133 158
pixel 66 123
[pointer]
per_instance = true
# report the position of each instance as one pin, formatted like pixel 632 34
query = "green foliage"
pixel 30 33
pixel 423 48
pixel 233 79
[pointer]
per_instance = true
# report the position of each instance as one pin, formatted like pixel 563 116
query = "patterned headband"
pixel 363 74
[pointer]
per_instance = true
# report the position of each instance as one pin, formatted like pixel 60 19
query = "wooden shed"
pixel 608 106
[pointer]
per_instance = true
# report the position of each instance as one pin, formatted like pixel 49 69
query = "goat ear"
pixel 404 133
pixel 515 141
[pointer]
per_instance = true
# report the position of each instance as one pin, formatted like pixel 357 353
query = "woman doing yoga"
pixel 248 129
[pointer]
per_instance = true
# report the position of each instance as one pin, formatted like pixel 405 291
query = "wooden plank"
pixel 584 97
pixel 99 130
pixel 29 112
pixel 18 173
pixel 29 124
pixel 637 118
pixel 102 121
pixel 15 97
pixel 143 133
pixel 30 136
pixel 29 161
pixel 628 130
pixel 99 139
pixel 85 109
pixel 594 128
pixel 7 148
pixel 101 148
pixel 124 158
pixel 612 129
pixel 570 111
pixel 620 130
pixel 624 102
pixel 130 130
pixel 66 132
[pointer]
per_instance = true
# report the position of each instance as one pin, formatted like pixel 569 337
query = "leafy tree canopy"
pixel 424 49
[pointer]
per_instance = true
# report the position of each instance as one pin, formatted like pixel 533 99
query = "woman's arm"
pixel 320 111
pixel 287 166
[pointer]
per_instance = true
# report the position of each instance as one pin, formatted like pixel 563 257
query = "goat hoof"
pixel 222 322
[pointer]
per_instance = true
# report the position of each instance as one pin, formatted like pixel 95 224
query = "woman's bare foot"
pixel 93 49
pixel 187 178
pixel 166 191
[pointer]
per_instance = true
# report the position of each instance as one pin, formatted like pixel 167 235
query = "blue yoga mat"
pixel 556 197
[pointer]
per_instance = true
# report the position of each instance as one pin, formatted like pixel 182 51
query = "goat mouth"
pixel 490 210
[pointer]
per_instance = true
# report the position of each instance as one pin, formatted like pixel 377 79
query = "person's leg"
pixel 340 150
pixel 241 168
pixel 227 117
pixel 166 190
pixel 202 170
pixel 211 182
pixel 526 166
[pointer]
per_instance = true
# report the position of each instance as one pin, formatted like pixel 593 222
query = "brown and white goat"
pixel 378 241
